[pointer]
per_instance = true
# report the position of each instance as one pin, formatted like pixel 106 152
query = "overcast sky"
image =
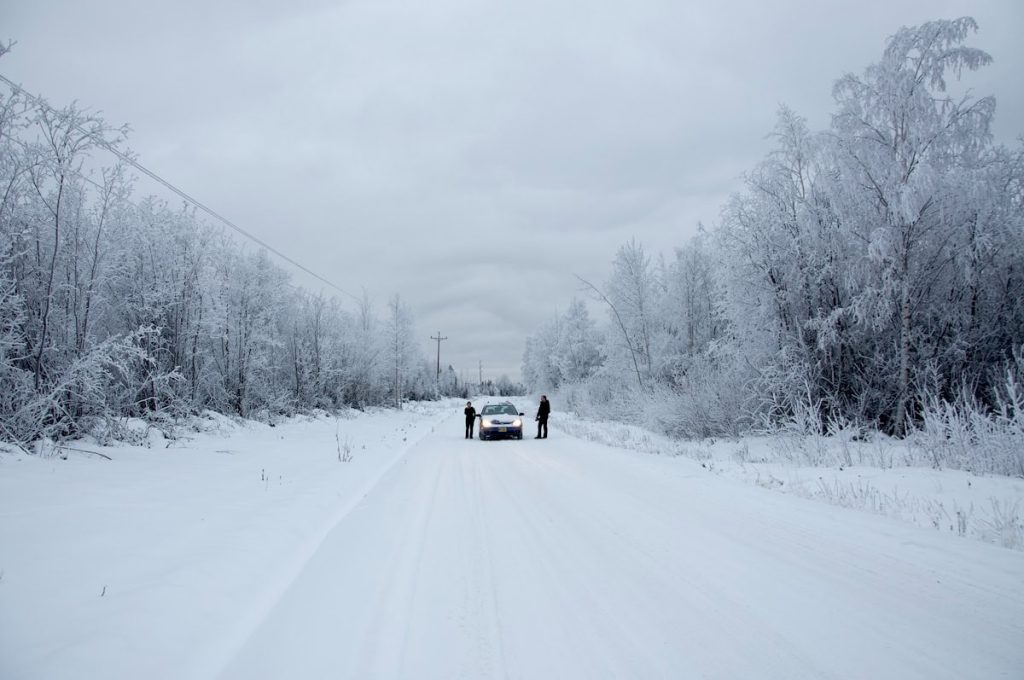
pixel 471 156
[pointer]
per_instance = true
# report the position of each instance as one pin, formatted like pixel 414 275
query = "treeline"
pixel 866 274
pixel 450 385
pixel 113 307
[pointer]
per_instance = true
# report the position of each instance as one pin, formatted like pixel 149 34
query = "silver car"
pixel 500 421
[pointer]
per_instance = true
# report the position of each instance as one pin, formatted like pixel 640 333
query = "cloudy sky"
pixel 470 155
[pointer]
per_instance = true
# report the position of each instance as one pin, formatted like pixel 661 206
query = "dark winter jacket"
pixel 470 414
pixel 544 410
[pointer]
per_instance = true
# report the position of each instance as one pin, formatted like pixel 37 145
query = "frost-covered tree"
pixel 16 388
pixel 115 306
pixel 691 307
pixel 577 349
pixel 409 375
pixel 506 388
pixel 863 272
pixel 449 385
pixel 909 154
pixel 16 380
pixel 566 349
pixel 313 330
pixel 540 370
pixel 632 295
pixel 365 357
pixel 787 262
pixel 855 257
pixel 56 225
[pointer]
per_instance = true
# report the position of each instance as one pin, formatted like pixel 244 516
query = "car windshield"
pixel 495 409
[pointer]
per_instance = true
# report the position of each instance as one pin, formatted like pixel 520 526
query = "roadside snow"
pixel 870 475
pixel 119 566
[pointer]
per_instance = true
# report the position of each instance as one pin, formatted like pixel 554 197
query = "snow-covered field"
pixel 259 552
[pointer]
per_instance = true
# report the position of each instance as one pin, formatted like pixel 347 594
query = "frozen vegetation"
pixel 898 478
pixel 864 284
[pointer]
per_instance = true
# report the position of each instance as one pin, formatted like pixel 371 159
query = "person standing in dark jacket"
pixel 470 419
pixel 542 417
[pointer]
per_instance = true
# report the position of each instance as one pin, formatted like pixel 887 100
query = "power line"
pixel 85 178
pixel 38 101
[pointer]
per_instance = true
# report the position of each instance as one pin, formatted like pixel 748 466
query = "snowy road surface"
pixel 566 559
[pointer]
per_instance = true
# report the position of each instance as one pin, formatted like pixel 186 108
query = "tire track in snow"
pixel 482 604
pixel 637 594
pixel 387 636
pixel 789 584
pixel 219 657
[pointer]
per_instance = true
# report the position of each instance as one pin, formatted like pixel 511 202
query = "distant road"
pixel 565 559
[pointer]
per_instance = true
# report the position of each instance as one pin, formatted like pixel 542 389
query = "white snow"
pixel 871 475
pixel 257 553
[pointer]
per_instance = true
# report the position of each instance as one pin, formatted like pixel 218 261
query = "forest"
pixel 867 277
pixel 114 306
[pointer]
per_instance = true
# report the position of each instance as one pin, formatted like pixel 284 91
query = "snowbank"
pixel 876 475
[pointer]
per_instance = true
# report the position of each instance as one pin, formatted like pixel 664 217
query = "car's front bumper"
pixel 501 432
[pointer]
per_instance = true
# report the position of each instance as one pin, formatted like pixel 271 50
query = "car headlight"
pixel 517 423
pixel 487 422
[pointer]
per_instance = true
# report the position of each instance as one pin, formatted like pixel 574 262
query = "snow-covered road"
pixel 566 559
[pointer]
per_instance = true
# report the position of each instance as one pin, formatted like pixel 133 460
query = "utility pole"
pixel 481 375
pixel 437 380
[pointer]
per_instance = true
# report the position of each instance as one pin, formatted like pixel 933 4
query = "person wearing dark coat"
pixel 542 417
pixel 470 419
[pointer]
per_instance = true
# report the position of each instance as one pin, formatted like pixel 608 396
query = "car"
pixel 500 421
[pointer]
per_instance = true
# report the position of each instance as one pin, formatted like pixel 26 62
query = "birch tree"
pixel 691 308
pixel 399 338
pixel 540 369
pixel 632 293
pixel 905 148
pixel 576 352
